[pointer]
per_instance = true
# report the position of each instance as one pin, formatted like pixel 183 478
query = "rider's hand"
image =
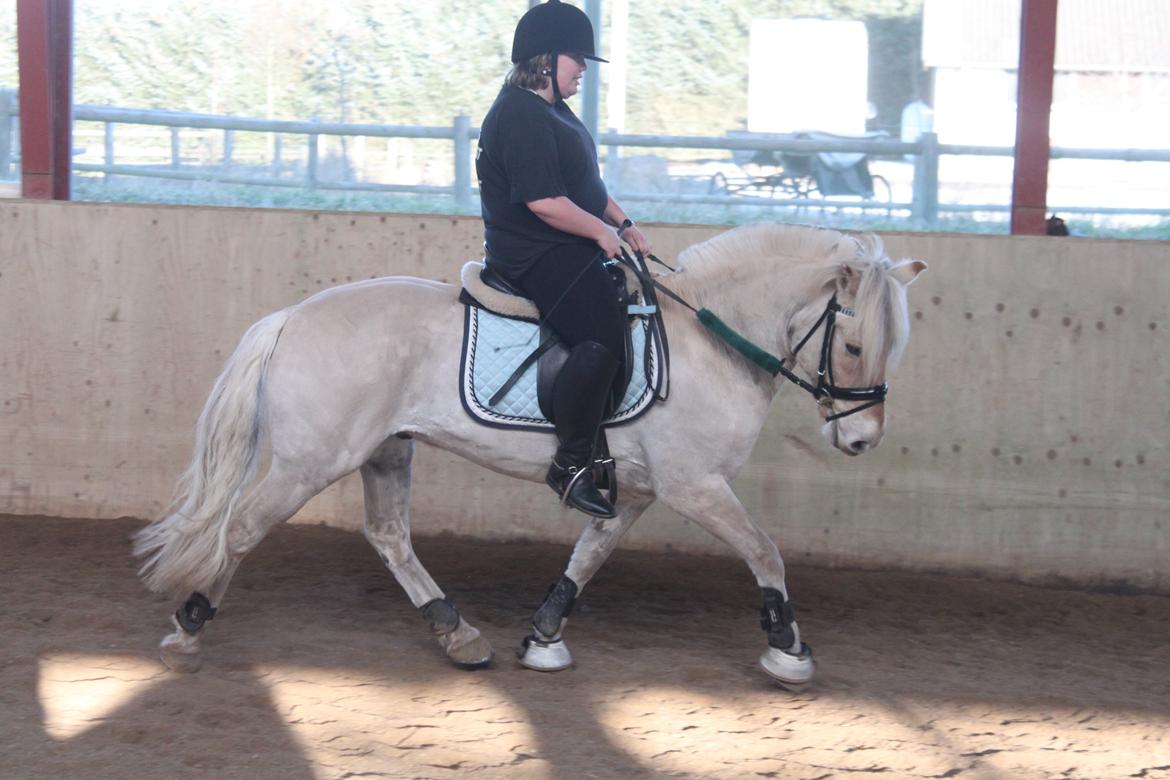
pixel 637 240
pixel 609 242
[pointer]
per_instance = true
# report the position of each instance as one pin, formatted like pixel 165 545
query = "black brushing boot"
pixel 579 397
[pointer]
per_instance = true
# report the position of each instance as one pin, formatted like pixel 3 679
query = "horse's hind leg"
pixel 386 480
pixel 545 649
pixel 273 500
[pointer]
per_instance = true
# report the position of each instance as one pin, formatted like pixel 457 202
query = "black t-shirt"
pixel 529 150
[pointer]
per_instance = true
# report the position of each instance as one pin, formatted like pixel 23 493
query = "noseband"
pixel 825 391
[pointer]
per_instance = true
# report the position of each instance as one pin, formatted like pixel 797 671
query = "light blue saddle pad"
pixel 495 346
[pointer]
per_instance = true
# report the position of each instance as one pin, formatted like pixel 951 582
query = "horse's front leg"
pixel 545 650
pixel 710 502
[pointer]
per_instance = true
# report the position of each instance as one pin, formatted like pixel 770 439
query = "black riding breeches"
pixel 576 297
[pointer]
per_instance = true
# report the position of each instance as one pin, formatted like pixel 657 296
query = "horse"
pixel 353 376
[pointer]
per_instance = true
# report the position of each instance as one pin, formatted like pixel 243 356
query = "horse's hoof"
pixel 466 647
pixel 545 655
pixel 180 652
pixel 475 654
pixel 792 670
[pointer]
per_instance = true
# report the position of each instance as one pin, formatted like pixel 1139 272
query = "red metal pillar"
pixel 45 43
pixel 1033 106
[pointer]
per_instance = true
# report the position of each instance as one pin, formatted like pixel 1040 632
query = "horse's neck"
pixel 759 300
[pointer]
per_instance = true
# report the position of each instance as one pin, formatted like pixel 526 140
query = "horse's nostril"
pixel 859 446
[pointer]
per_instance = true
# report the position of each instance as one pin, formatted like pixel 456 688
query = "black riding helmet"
pixel 554 28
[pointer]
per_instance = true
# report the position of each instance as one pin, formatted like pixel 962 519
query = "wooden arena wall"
pixel 1027 428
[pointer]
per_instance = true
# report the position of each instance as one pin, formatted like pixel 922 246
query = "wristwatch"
pixel 626 223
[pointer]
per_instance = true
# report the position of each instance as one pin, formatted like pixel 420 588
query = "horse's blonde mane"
pixel 816 258
pixel 763 242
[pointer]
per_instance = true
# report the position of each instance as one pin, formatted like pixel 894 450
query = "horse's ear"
pixel 848 280
pixel 907 272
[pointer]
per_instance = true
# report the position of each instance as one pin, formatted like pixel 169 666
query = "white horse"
pixel 351 377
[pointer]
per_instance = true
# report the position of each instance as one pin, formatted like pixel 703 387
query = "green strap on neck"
pixel 760 357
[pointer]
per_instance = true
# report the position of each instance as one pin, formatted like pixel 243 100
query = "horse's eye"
pixel 853 350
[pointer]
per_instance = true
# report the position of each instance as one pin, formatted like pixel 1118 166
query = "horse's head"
pixel 845 322
pixel 848 337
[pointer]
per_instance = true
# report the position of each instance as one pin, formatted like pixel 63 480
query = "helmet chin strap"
pixel 555 85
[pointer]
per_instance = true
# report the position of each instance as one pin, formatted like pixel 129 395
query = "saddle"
pixel 510 360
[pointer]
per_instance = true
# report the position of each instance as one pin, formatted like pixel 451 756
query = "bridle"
pixel 824 392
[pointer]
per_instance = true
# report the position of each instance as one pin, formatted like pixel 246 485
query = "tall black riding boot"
pixel 579 398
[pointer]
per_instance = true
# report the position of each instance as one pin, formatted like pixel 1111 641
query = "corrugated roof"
pixel 1091 35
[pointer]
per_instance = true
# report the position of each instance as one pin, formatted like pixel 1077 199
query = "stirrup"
pixel 584 497
pixel 577 474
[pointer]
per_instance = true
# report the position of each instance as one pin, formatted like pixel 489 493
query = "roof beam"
pixel 1033 108
pixel 45 46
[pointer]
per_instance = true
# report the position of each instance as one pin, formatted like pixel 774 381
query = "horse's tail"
pixel 188 550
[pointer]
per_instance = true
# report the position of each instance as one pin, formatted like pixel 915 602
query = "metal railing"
pixel 924 205
pixel 460 134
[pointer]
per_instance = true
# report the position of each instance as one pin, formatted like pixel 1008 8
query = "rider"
pixel 549 224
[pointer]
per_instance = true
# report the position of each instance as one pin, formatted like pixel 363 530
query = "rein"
pixel 824 392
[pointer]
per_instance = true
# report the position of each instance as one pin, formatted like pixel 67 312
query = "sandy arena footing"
pixel 318 667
